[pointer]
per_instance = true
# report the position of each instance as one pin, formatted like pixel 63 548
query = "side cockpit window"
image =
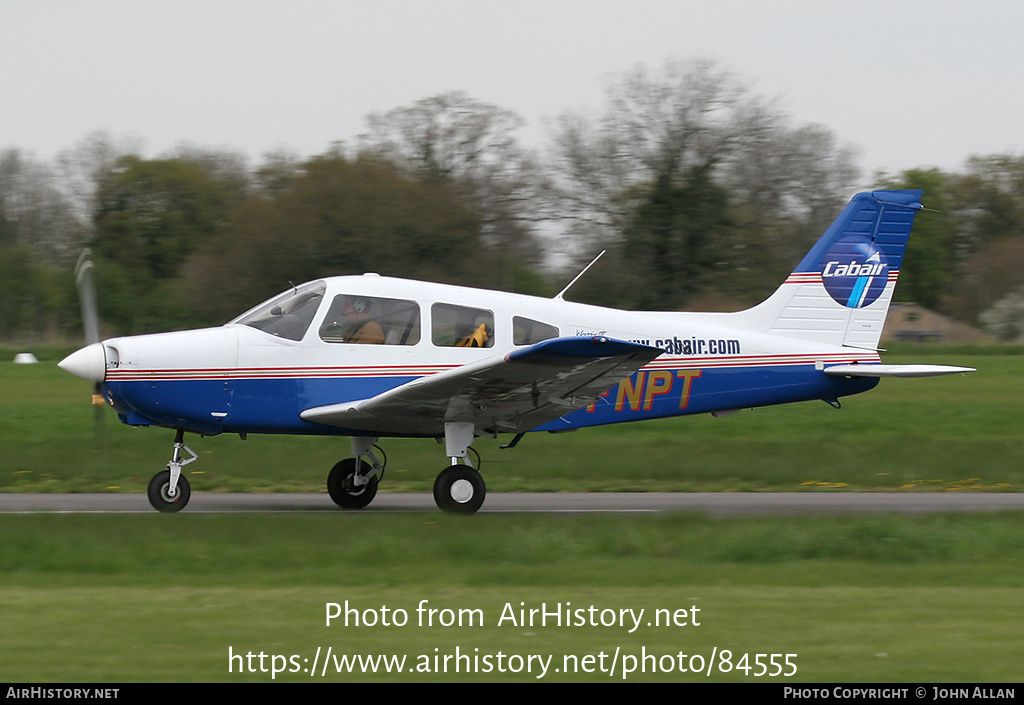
pixel 371 320
pixel 461 326
pixel 526 331
pixel 287 315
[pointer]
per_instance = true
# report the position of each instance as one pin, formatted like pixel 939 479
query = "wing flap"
pixel 894 370
pixel 514 393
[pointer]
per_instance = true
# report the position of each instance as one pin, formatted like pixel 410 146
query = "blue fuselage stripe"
pixel 274 405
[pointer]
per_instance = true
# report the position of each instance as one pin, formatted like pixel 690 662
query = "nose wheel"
pixel 169 490
pixel 163 498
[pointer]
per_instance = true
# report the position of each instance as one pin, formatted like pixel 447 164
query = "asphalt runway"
pixel 716 504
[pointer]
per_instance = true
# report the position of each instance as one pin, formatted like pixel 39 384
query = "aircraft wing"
pixel 514 393
pixel 894 370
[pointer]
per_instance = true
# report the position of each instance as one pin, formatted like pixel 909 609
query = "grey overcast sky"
pixel 910 83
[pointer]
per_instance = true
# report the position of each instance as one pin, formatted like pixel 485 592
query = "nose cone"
pixel 88 363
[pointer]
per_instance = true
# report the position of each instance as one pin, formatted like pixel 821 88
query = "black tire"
pixel 342 490
pixel 459 489
pixel 157 492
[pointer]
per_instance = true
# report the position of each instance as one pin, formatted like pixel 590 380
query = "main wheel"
pixel 342 488
pixel 159 495
pixel 459 489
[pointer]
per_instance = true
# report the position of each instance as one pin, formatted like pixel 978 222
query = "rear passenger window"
pixel 461 326
pixel 526 331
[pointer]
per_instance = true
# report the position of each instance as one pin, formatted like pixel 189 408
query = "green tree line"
pixel 703 194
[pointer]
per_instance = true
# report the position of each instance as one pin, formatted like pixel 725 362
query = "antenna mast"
pixel 560 294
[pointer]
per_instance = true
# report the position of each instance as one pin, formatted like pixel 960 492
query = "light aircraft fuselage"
pixel 240 379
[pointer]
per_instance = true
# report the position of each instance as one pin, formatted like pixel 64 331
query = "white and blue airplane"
pixel 372 356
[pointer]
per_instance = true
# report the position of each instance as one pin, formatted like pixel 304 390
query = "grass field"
pixel 867 599
pixel 153 597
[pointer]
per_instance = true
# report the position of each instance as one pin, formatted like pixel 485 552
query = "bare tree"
pixel 448 136
pixel 654 125
pixel 81 169
pixel 33 210
pixel 628 177
pixel 472 146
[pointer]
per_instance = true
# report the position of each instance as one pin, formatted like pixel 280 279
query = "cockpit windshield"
pixel 287 315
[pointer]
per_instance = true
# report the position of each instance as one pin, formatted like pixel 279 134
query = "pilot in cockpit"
pixel 357 324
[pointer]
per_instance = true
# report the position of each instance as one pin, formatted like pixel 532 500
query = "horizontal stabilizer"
pixel 894 370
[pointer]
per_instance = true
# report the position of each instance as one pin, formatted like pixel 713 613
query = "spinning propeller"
pixel 89 362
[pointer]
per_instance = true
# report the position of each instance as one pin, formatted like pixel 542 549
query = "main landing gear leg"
pixel 459 488
pixel 352 483
pixel 169 490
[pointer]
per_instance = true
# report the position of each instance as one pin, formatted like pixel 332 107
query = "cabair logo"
pixel 854 272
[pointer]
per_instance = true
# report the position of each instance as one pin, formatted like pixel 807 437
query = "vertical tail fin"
pixel 839 294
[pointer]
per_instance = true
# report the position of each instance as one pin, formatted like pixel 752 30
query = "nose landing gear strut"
pixel 169 490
